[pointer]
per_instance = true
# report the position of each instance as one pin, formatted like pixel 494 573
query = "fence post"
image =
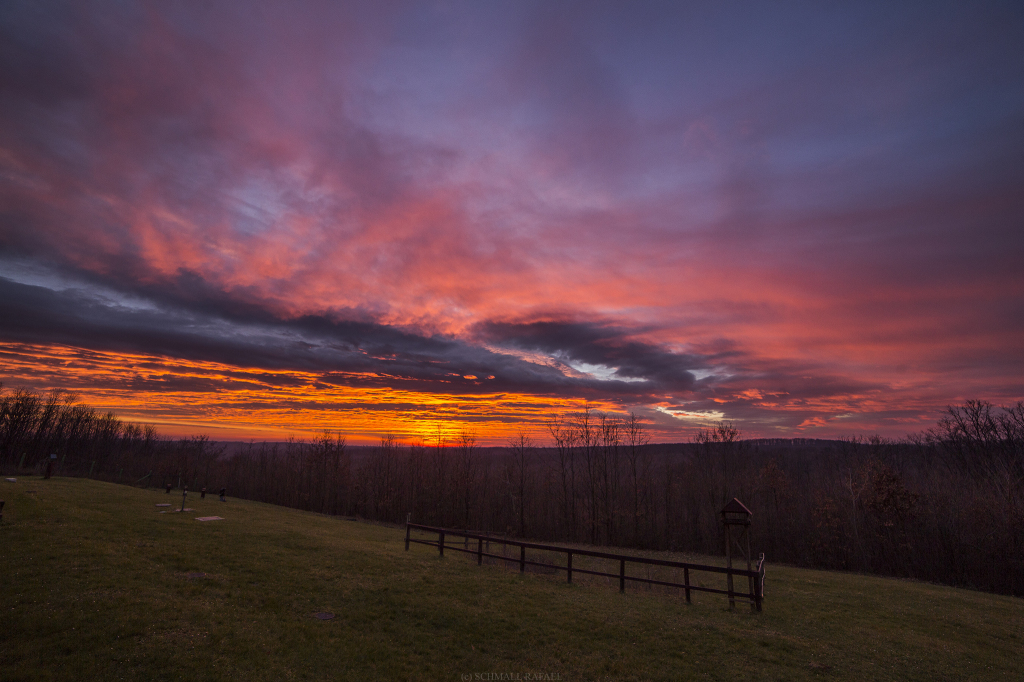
pixel 728 557
pixel 569 569
pixel 440 541
pixel 479 551
pixel 686 582
pixel 622 575
pixel 408 519
pixel 732 591
pixel 522 559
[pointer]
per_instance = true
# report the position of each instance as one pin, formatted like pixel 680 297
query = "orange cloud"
pixel 240 403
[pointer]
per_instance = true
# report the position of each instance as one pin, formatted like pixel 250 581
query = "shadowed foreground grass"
pixel 97 584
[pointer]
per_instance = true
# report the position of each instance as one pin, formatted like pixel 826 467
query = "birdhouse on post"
pixel 735 515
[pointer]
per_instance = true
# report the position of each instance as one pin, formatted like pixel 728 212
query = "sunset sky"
pixel 256 220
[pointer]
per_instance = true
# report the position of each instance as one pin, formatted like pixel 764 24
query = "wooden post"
pixel 622 575
pixel 728 560
pixel 408 519
pixel 686 583
pixel 754 602
pixel 440 542
pixel 522 559
pixel 569 569
pixel 736 514
pixel 479 551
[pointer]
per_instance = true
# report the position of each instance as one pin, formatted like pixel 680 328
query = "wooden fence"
pixel 755 579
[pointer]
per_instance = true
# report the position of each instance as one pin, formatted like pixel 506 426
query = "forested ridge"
pixel 946 505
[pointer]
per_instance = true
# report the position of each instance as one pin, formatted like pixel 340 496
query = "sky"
pixel 257 220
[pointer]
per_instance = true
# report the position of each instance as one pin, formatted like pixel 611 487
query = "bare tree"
pixel 639 461
pixel 466 471
pixel 516 472
pixel 565 439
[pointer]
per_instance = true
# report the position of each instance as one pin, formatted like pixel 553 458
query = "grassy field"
pixel 97 584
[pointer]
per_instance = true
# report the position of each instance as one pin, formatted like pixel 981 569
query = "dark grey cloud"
pixel 342 352
pixel 599 344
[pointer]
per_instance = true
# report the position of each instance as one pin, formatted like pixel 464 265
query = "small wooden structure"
pixel 736 515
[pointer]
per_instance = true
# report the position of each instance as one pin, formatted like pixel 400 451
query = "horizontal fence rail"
pixel 755 578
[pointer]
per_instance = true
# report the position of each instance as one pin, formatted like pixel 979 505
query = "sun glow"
pixel 229 402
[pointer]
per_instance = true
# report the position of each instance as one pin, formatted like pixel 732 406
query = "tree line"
pixel 946 505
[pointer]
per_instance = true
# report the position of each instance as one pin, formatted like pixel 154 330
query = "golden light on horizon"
pixel 228 402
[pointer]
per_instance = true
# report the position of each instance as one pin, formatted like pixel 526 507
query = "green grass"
pixel 95 585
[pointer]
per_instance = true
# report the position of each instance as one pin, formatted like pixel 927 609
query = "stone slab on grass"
pixel 208 518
